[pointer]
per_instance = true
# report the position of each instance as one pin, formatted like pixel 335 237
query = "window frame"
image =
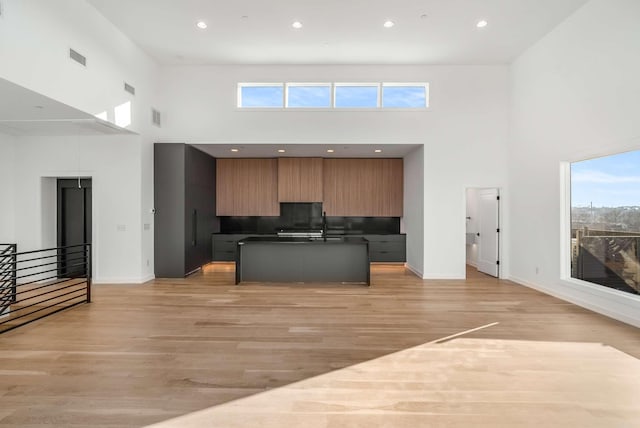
pixel 287 85
pixel 424 85
pixel 377 85
pixel 242 85
pixel 333 86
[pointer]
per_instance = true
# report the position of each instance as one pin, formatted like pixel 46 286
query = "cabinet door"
pixel 247 187
pixel 363 187
pixel 300 179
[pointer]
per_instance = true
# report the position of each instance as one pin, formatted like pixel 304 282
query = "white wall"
pixel 464 132
pixel 113 163
pixel 413 219
pixel 574 96
pixel 7 191
pixel 35 38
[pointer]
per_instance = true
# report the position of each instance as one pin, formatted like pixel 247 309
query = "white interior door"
pixel 488 231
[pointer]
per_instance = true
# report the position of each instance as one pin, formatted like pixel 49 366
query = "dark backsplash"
pixel 308 216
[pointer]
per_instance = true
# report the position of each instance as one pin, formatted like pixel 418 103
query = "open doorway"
pixel 483 230
pixel 74 223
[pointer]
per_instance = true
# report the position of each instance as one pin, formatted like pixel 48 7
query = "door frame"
pixel 501 233
pixel 58 210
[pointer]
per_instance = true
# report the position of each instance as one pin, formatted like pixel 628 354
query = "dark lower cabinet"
pixel 225 246
pixel 387 248
pixel 382 248
pixel 184 201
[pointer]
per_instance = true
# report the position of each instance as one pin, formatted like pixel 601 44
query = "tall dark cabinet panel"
pixel 184 200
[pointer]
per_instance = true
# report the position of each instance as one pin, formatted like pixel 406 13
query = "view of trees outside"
pixel 605 221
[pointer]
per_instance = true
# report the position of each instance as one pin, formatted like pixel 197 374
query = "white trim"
pixel 603 301
pixel 440 276
pixel 565 220
pixel 414 270
pixel 132 281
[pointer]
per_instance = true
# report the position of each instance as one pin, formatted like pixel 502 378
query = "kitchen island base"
pixel 271 259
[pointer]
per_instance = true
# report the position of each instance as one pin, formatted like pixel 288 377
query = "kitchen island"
pixel 290 259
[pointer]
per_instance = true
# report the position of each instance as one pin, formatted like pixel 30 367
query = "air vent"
pixel 79 58
pixel 156 118
pixel 129 88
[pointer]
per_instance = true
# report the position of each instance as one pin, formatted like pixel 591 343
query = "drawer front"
pixel 387 256
pixel 375 246
pixel 224 256
pixel 387 239
pixel 225 246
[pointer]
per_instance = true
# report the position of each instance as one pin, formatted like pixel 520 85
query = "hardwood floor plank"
pixel 141 354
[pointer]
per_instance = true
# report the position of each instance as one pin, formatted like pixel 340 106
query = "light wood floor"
pixel 141 354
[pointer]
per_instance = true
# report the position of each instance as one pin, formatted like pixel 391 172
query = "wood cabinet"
pixel 247 187
pixel 363 187
pixel 300 179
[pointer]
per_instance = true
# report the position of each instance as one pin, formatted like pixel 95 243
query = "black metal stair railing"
pixel 36 284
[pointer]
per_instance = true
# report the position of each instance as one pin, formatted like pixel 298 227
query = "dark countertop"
pixel 290 240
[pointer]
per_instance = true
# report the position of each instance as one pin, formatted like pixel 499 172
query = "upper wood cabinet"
pixel 363 187
pixel 300 179
pixel 247 187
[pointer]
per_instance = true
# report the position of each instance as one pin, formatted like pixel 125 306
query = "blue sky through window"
pixel 262 96
pixel 611 181
pixel 404 97
pixel 356 96
pixel 309 96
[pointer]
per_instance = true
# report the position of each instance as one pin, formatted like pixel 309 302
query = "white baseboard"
pixel 471 263
pixel 603 301
pixel 122 280
pixel 441 276
pixel 414 270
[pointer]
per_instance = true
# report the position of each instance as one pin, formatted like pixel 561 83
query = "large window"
pixel 339 96
pixel 605 221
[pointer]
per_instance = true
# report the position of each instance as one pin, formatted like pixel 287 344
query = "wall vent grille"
pixel 156 118
pixel 77 57
pixel 129 88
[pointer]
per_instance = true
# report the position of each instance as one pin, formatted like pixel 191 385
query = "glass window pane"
pixel 404 97
pixel 309 96
pixel 605 221
pixel 262 96
pixel 356 96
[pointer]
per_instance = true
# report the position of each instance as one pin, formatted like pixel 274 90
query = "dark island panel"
pixel 272 259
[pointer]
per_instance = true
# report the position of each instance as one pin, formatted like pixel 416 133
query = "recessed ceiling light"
pixel 378 150
pixel 388 24
pixel 281 150
pixel 423 16
pixel 482 24
pixel 330 151
pixel 297 25
pixel 235 150
pixel 201 25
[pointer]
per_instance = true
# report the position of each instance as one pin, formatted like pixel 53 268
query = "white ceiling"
pixel 336 31
pixel 25 112
pixel 307 150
